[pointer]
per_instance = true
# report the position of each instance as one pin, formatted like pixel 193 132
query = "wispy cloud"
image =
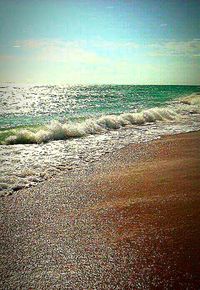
pixel 176 48
pixel 72 52
pixel 99 51
pixel 101 61
pixel 59 51
pixel 7 57
pixel 81 47
pixel 100 43
pixel 163 25
pixel 105 44
pixel 37 43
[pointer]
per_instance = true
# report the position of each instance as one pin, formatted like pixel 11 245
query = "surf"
pixel 63 131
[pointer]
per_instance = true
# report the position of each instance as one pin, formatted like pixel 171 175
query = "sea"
pixel 46 129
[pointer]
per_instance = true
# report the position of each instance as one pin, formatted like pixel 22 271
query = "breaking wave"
pixel 58 131
pixel 193 99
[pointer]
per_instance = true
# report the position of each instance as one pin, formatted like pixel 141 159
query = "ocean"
pixel 45 129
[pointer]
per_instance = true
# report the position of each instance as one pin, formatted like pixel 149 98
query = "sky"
pixel 100 41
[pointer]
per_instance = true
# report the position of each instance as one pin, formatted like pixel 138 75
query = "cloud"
pixel 85 50
pixel 37 43
pixel 176 48
pixel 99 51
pixel 59 51
pixel 98 43
pixel 163 24
pixel 73 52
pixel 105 44
pixel 7 57
pixel 97 61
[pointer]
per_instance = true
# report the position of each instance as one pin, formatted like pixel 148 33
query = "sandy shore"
pixel 131 221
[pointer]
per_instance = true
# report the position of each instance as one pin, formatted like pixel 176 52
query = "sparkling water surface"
pixel 31 105
pixel 23 165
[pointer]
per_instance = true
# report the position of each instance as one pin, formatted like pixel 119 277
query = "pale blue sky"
pixel 89 41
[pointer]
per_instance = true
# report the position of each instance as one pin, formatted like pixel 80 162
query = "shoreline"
pixel 129 221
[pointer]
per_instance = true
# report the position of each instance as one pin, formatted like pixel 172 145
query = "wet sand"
pixel 130 221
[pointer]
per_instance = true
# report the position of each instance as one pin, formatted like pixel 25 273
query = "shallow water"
pixel 88 122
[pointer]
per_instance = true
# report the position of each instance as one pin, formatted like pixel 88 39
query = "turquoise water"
pixel 45 129
pixel 38 105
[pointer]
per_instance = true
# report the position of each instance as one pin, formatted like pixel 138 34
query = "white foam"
pixel 193 99
pixel 58 131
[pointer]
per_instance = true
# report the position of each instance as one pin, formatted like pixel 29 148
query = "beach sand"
pixel 130 221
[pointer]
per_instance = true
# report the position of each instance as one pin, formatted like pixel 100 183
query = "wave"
pixel 58 131
pixel 193 99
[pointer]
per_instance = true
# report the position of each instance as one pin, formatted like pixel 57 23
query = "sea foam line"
pixel 58 131
pixel 193 99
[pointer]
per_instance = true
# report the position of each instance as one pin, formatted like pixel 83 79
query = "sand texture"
pixel 131 221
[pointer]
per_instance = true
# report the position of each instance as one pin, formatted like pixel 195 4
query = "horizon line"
pixel 97 84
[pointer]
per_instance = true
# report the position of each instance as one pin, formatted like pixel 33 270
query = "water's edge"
pixel 63 146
